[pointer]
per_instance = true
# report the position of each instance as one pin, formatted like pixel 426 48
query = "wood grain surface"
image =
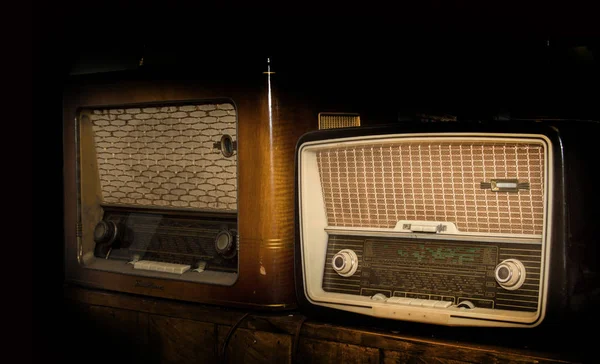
pixel 165 331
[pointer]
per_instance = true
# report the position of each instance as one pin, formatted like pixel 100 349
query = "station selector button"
pixel 442 304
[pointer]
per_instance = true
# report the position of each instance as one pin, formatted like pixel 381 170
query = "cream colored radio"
pixel 448 227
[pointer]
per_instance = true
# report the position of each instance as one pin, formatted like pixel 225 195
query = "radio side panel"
pixel 579 292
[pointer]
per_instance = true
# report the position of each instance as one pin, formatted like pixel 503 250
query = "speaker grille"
pixel 376 185
pixel 164 156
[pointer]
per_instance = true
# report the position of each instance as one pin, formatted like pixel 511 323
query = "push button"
pixel 417 302
pixel 399 300
pixel 429 303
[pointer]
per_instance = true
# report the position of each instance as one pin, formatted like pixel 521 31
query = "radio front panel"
pixel 158 190
pixel 447 228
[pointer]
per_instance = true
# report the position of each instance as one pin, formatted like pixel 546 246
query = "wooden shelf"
pixel 105 325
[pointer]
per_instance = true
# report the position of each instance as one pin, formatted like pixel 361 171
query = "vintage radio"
pixel 173 187
pixel 479 224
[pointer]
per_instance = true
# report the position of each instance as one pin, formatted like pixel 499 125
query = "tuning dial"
pixel 106 232
pixel 225 244
pixel 510 274
pixel 345 262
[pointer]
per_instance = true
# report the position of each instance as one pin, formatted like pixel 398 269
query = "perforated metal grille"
pixel 377 185
pixel 164 156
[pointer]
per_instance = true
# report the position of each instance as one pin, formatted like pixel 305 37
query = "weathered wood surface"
pixel 153 330
pixel 95 334
pixel 254 346
pixel 319 351
pixel 174 340
pixel 393 357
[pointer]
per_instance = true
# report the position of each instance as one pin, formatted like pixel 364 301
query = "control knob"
pixel 379 297
pixel 106 232
pixel 466 304
pixel 345 262
pixel 225 244
pixel 510 274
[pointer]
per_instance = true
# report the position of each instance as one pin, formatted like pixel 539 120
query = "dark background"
pixel 469 59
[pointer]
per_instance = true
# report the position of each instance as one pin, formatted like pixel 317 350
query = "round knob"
pixel 227 146
pixel 510 274
pixel 345 262
pixel 379 297
pixel 225 244
pixel 105 232
pixel 466 304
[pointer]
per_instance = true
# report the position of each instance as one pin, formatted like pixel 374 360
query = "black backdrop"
pixel 538 60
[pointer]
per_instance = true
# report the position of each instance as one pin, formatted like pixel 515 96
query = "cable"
pixel 297 339
pixel 228 337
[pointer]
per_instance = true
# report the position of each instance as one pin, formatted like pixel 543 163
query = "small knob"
pixel 510 274
pixel 225 244
pixel 345 262
pixel 379 297
pixel 226 145
pixel 466 304
pixel 105 232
